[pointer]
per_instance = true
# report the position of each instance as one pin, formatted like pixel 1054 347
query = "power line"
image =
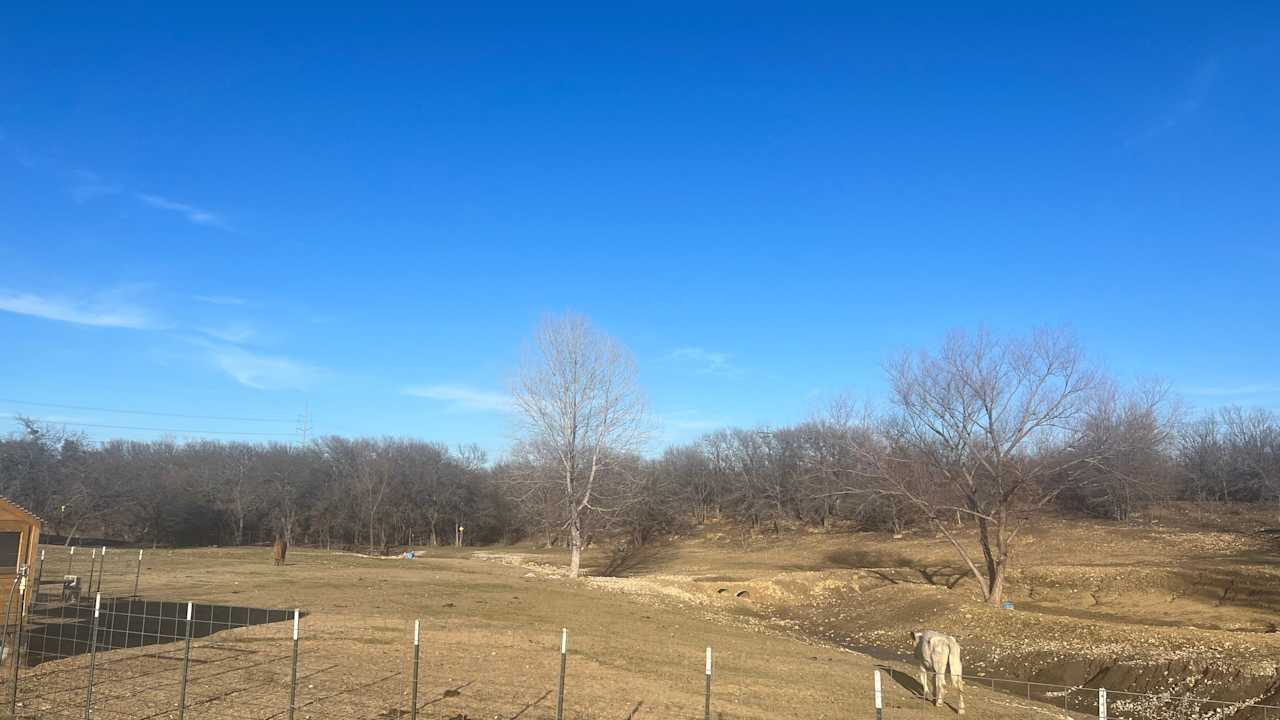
pixel 143 412
pixel 159 429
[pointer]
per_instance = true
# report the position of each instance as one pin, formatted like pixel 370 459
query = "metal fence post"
pixel 186 669
pixel 1102 704
pixel 293 677
pixel 102 567
pixel 16 652
pixel 35 593
pixel 564 649
pixel 413 694
pixel 706 707
pixel 879 699
pixel 93 561
pixel 138 575
pixel 70 557
pixel 93 657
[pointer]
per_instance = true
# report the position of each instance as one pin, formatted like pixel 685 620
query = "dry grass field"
pixel 798 624
pixel 491 632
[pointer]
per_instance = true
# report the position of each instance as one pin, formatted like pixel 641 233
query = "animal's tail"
pixel 954 669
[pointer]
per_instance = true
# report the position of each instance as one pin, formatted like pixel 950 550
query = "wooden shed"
pixel 19 545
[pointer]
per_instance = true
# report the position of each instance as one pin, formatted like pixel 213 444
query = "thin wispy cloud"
pixel 194 214
pixel 103 311
pixel 1193 97
pixel 681 426
pixel 462 397
pixel 86 185
pixel 89 186
pixel 263 372
pixel 702 360
pixel 238 333
pixel 1234 390
pixel 220 300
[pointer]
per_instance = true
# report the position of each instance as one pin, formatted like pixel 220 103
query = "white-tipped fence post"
pixel 137 575
pixel 93 657
pixel 417 644
pixel 879 699
pixel 1102 704
pixel 706 708
pixel 564 651
pixel 293 676
pixel 186 668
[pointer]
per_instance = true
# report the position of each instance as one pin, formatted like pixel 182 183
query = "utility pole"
pixel 304 423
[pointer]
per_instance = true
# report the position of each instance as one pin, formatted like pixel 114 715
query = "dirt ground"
pixel 798 623
pixel 491 630
pixel 1183 601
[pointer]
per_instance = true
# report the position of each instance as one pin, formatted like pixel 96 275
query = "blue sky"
pixel 245 212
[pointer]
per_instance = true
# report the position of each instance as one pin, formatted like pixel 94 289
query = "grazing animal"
pixel 70 588
pixel 280 550
pixel 939 658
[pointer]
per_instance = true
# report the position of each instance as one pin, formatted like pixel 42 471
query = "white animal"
pixel 70 588
pixel 939 657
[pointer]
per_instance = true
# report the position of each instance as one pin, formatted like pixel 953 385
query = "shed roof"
pixel 11 506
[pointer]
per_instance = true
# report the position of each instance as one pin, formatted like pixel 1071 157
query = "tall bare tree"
pixel 582 410
pixel 982 419
pixel 1123 442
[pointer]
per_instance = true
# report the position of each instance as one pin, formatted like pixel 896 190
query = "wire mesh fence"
pixel 91 645
pixel 896 692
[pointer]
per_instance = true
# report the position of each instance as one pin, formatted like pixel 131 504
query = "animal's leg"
pixel 956 670
pixel 924 683
pixel 939 658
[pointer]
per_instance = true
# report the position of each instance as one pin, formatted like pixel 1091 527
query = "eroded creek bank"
pixel 1079 629
pixel 1205 631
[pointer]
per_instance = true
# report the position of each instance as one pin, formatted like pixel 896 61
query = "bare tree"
pixel 1253 440
pixel 1123 443
pixel 981 419
pixel 368 467
pixel 581 409
pixel 242 491
pixel 1232 455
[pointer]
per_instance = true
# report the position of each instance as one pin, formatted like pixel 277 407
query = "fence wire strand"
pixel 240 664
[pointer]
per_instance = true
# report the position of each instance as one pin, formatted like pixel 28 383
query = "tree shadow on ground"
pixel 533 704
pixel 629 560
pixel 895 568
pixel 448 693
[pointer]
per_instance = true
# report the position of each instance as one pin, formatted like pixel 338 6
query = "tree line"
pixel 355 493
pixel 979 437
